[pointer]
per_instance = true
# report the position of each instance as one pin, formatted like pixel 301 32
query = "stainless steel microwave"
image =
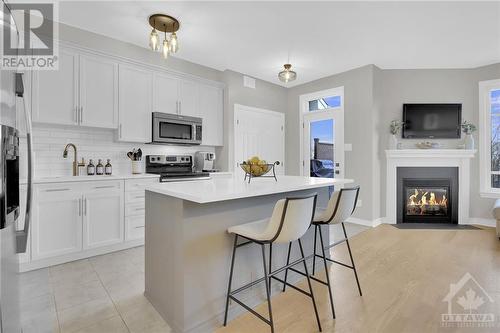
pixel 176 129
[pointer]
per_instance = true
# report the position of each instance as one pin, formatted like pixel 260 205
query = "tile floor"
pixel 99 294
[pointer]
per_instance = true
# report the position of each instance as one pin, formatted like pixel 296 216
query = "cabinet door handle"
pixel 85 207
pixel 106 186
pixel 81 114
pixel 56 189
pixel 80 207
pixel 77 115
pixel 180 107
pixel 120 131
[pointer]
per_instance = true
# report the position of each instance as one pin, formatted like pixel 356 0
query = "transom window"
pixel 489 135
pixel 325 103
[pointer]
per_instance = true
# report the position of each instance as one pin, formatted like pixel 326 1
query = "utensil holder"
pixel 137 167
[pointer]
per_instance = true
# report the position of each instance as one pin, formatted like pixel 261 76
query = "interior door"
pixel 260 133
pixel 98 92
pixel 55 93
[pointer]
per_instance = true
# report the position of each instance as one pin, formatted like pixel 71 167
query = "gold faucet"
pixel 76 165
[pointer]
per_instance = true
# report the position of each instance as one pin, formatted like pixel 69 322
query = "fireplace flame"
pixel 427 200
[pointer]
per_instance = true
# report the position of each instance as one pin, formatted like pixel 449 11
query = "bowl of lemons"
pixel 255 167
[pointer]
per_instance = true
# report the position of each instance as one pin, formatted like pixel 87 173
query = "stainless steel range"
pixel 173 168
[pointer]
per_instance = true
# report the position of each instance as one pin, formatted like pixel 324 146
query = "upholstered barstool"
pixel 340 207
pixel 290 220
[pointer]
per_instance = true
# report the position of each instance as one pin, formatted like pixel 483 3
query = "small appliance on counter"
pixel 204 161
pixel 174 168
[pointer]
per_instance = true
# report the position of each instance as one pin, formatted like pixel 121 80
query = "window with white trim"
pixel 489 132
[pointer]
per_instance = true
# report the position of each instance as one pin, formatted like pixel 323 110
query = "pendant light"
pixel 165 24
pixel 154 40
pixel 287 74
pixel 165 48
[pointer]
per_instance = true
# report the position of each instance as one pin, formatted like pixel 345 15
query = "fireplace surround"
pixel 427 195
pixel 458 158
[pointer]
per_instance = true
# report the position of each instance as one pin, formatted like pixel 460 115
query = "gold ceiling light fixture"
pixel 287 74
pixel 166 24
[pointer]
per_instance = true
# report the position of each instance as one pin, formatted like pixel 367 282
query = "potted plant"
pixel 468 129
pixel 395 127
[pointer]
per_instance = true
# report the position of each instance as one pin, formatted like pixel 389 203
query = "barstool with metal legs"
pixel 340 207
pixel 290 220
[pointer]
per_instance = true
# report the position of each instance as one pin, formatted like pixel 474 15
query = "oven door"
pixel 174 131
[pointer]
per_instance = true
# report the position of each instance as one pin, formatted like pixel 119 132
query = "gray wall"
pixel 265 96
pixel 359 120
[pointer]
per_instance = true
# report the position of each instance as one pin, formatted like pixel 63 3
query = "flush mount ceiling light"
pixel 287 74
pixel 165 24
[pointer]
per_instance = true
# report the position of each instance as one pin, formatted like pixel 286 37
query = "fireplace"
pixel 427 195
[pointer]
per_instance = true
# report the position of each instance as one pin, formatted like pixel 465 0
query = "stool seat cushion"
pixel 253 230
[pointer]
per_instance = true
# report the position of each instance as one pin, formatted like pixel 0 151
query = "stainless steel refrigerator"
pixel 12 238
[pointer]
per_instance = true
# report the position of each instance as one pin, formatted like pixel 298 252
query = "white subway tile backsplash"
pixel 49 142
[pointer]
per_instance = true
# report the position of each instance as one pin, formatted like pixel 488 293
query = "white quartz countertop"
pixel 229 188
pixel 65 179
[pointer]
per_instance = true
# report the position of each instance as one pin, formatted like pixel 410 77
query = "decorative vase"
pixel 469 141
pixel 393 142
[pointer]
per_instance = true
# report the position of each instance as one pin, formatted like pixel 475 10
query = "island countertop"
pixel 229 188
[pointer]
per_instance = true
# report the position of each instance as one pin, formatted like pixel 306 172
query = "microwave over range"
pixel 176 129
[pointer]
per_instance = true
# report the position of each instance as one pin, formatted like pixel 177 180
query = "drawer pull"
pixel 140 197
pixel 139 227
pixel 108 186
pixel 57 189
pixel 139 209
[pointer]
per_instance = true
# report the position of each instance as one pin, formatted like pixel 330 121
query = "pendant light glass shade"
pixel 165 49
pixel 154 40
pixel 287 74
pixel 174 44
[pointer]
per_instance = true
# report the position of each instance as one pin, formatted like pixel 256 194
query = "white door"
pixel 135 103
pixel 211 111
pixel 57 222
pixel 98 92
pixel 259 133
pixel 55 92
pixel 323 134
pixel 189 99
pixel 166 94
pixel 103 216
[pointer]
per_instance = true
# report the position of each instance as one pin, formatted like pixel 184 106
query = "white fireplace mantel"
pixel 459 158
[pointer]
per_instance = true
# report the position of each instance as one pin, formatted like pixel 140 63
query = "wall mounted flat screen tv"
pixel 432 121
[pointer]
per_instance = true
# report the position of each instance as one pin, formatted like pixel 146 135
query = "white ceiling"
pixel 320 38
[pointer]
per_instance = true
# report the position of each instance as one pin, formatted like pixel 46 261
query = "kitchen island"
pixel 188 250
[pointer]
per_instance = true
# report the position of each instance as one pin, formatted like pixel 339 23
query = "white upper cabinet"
pixel 55 92
pixel 83 91
pixel 166 94
pixel 211 110
pixel 135 103
pixel 98 92
pixel 189 98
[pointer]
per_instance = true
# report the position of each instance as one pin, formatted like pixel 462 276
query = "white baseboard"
pixel 483 221
pixel 364 222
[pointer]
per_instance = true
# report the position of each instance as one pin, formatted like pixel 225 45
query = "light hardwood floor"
pixel 404 274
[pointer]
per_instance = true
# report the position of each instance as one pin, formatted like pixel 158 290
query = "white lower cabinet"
pixel 57 221
pixel 69 218
pixel 103 215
